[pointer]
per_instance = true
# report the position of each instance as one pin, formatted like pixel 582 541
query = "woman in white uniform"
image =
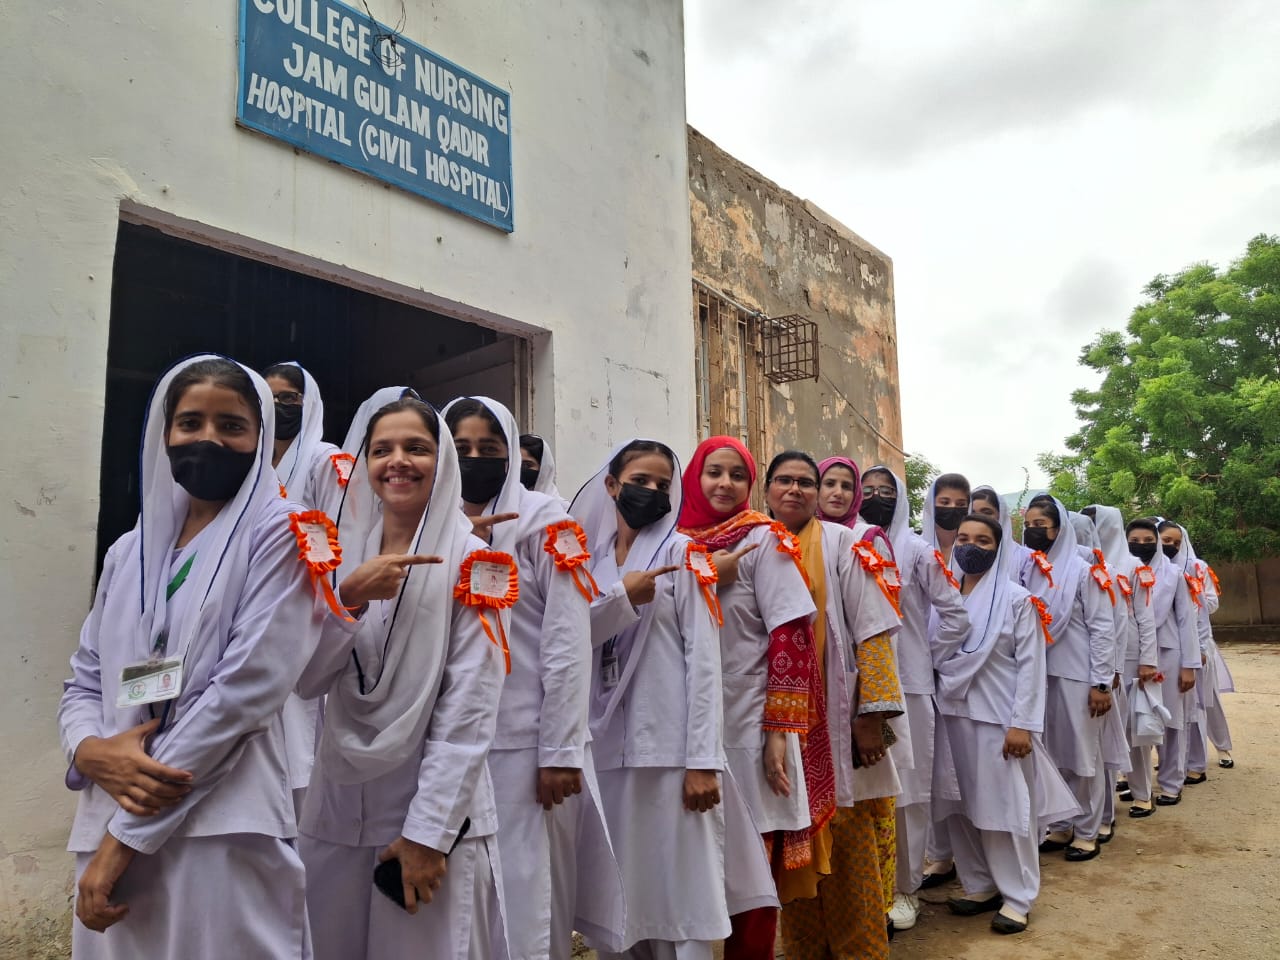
pixel 171 721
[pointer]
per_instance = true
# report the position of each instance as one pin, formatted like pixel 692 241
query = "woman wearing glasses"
pixel 303 461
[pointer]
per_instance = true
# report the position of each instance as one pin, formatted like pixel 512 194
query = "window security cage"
pixel 790 347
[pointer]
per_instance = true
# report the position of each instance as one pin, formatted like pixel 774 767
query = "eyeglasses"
pixel 804 483
pixel 290 398
pixel 884 493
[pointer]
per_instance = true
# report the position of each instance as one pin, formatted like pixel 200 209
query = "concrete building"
pixel 548 264
pixel 760 254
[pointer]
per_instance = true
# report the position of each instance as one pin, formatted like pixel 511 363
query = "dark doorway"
pixel 171 298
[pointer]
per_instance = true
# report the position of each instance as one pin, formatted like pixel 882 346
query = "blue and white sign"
pixel 325 77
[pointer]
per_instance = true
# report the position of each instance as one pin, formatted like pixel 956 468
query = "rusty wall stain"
pixel 774 252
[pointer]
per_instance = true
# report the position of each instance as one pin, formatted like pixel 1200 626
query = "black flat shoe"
pixel 1195 781
pixel 1226 763
pixel 1165 800
pixel 1122 786
pixel 962 907
pixel 1125 797
pixel 1106 837
pixel 1053 846
pixel 891 928
pixel 1079 854
pixel 1136 811
pixel 932 880
pixel 1002 924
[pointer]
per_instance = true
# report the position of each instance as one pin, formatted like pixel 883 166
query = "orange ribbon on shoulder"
pixel 875 565
pixel 1146 580
pixel 567 544
pixel 951 577
pixel 489 578
pixel 1196 588
pixel 1042 561
pixel 343 464
pixel 789 544
pixel 1103 580
pixel 697 560
pixel 1217 584
pixel 1123 583
pixel 319 549
pixel 1046 617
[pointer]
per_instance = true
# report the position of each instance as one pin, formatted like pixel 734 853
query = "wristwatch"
pixel 1102 687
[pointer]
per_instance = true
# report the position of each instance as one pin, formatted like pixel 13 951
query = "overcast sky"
pixel 1029 167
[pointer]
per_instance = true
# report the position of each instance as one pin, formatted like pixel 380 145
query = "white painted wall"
pixel 135 102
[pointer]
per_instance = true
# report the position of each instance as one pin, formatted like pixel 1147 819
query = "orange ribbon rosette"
pixel 1146 580
pixel 1123 583
pixel 789 544
pixel 319 549
pixel 343 464
pixel 697 560
pixel 951 577
pixel 1103 580
pixel 488 578
pixel 876 565
pixel 1196 588
pixel 1217 584
pixel 1046 618
pixel 567 544
pixel 1042 561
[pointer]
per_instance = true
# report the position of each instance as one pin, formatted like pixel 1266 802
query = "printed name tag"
pixel 700 563
pixel 567 543
pixel 151 682
pixel 318 548
pixel 489 579
pixel 609 672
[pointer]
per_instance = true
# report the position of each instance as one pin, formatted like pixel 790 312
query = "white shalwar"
pixel 1179 645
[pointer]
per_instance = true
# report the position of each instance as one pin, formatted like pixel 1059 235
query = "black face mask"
pixel 482 477
pixel 529 476
pixel 1146 552
pixel 1037 538
pixel 208 470
pixel 1170 551
pixel 949 518
pixel 973 559
pixel 288 420
pixel 641 506
pixel 878 512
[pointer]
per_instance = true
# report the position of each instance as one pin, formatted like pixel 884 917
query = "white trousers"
pixel 913 823
pixel 663 950
pixel 992 860
pixel 1090 793
pixel 1173 761
pixel 1140 772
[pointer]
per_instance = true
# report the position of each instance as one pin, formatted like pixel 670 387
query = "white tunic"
pixel 768 593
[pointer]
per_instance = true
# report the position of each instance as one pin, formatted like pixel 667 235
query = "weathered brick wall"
pixel 777 253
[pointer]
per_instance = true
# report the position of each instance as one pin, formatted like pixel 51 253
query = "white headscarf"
pixel 1086 537
pixel 225 543
pixel 1006 521
pixel 1185 559
pixel 899 529
pixel 301 450
pixel 546 482
pixel 536 510
pixel 377 716
pixel 1112 540
pixel 928 529
pixel 597 513
pixel 1061 597
pixel 988 607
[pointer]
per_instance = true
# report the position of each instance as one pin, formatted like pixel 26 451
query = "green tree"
pixel 1186 421
pixel 920 473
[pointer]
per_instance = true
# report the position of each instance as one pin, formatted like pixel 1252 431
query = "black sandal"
pixel 1195 781
pixel 1226 763
pixel 1165 800
pixel 1136 811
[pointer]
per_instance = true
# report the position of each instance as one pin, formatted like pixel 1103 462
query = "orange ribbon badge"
pixel 1217 584
pixel 488 578
pixel 697 560
pixel 1196 588
pixel 1125 586
pixel 567 545
pixel 1043 563
pixel 1103 580
pixel 951 577
pixel 284 494
pixel 319 549
pixel 343 464
pixel 789 544
pixel 1046 618
pixel 875 565
pixel 1146 580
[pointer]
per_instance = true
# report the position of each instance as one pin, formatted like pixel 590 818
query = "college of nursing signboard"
pixel 326 78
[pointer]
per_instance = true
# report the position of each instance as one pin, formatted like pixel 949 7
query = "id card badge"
pixel 153 681
pixel 609 672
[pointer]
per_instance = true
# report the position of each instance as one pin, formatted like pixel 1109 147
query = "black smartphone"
pixel 389 880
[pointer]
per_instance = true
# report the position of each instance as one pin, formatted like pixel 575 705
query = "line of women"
pixel 398 699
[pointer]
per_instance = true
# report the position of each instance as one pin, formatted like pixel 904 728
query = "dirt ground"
pixel 1199 880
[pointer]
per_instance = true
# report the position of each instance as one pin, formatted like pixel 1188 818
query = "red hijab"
pixel 696 511
pixel 851 516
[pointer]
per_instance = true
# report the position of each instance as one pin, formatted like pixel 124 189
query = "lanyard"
pixel 179 578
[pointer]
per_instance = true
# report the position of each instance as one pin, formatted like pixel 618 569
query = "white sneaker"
pixel 906 909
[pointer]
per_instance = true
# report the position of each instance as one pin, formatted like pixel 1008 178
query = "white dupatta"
pixel 989 607
pixel 301 451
